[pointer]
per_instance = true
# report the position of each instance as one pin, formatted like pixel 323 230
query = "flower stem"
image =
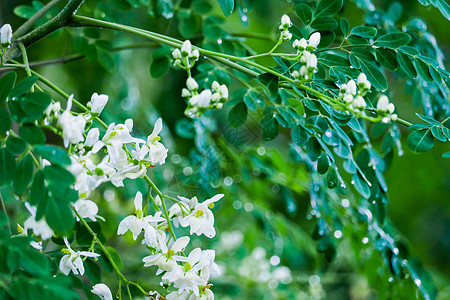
pixel 108 255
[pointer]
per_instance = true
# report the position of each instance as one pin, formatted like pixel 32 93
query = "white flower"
pixel 92 137
pixel 362 81
pixel 185 277
pixel 166 260
pixel 5 35
pixel 383 103
pixel 72 260
pixel 186 48
pixel 286 35
pixel 314 40
pixel 176 54
pixel 359 103
pixel 157 151
pixel 114 138
pixel 209 267
pixel 72 126
pixel 311 62
pixel 351 88
pixel 98 102
pixel 177 296
pixel 195 54
pixel 391 108
pixel 185 93
pixel 191 84
pixel 86 209
pixel 348 98
pixel 40 228
pixel 201 100
pixel 300 44
pixel 137 223
pixel 205 294
pixel 286 21
pixel 201 219
pixel 102 290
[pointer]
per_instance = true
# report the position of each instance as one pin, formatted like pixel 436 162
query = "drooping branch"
pixel 61 20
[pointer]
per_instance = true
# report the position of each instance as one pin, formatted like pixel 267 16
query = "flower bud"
pixel 351 87
pixel 191 84
pixel 348 98
pixel 215 97
pixel 186 48
pixel 303 71
pixel 394 117
pixel 314 40
pixel 5 35
pixel 204 98
pixel 383 103
pixel 177 63
pixel 158 201
pixel 223 91
pixel 92 137
pixel 390 108
pixel 359 103
pixel 295 74
pixel 176 54
pixel 98 102
pixel 286 35
pixel 195 54
pixel 311 62
pixel 286 21
pixel 215 86
pixel 185 93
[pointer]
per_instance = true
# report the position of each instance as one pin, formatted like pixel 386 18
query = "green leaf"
pixel 58 176
pixel 269 125
pixel 227 6
pixel 361 186
pixel 374 75
pixel 386 58
pixel 345 26
pixel 7 166
pixel 34 105
pixel 59 216
pixel 324 23
pixel 406 64
pixel 332 178
pixel 271 83
pixel 323 163
pixel 159 67
pixel 328 7
pixel 393 40
pixel 5 121
pixel 34 262
pixel 54 154
pixel 23 86
pixel 24 11
pixel 446 155
pixel 420 140
pixel 253 99
pixel 15 145
pixel 190 25
pixel 364 31
pixel 422 69
pixel 304 13
pixel 32 134
pixel 23 174
pixel 38 190
pixel 429 120
pixel 437 133
pixel 6 84
pixel 238 115
pixel 299 135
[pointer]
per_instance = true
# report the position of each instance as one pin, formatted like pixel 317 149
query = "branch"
pixel 30 22
pixel 61 20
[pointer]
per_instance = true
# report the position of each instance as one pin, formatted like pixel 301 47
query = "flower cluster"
pixel 284 28
pixel 5 36
pixel 386 109
pixel 198 103
pixel 186 57
pixel 308 59
pixel 352 93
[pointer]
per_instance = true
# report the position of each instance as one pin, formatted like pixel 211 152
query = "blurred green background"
pixel 419 185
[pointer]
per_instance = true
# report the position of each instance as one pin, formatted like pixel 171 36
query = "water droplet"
pixel 248 207
pixel 261 151
pixel 391 279
pixel 219 41
pixel 338 234
pixel 237 204
pixel 365 240
pixel 396 252
pixel 417 282
pixel 228 181
pixel 345 203
pixel 275 260
pixel 187 171
pixel 244 18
